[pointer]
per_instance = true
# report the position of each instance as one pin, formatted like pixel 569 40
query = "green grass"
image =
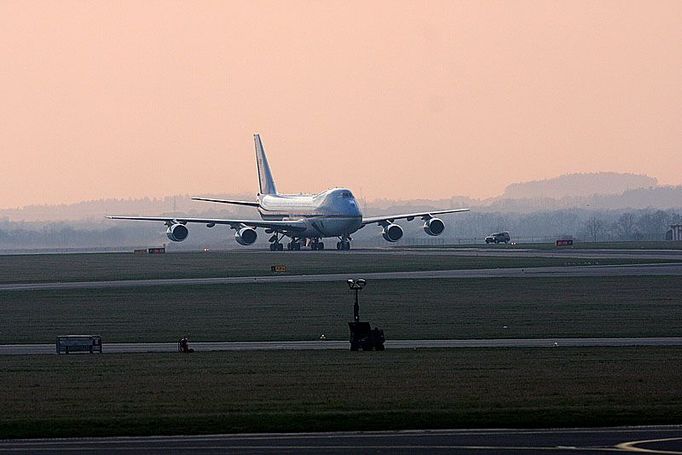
pixel 578 245
pixel 410 309
pixel 127 266
pixel 222 392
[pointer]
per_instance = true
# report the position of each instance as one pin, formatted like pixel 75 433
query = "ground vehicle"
pixel 498 237
pixel 79 343
pixel 362 336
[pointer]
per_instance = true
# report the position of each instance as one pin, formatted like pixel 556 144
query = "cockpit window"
pixel 346 194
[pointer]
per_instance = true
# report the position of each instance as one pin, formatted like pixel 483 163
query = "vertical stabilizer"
pixel 266 183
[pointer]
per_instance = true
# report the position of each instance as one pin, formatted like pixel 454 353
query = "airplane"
pixel 304 219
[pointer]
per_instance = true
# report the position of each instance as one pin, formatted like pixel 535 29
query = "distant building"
pixel 675 232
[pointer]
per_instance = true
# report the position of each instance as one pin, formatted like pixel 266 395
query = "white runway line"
pixel 118 348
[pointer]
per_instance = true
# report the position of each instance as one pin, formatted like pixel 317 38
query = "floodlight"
pixel 356 284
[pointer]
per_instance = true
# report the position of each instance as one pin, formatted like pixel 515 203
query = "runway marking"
pixel 269 441
pixel 632 446
pixel 316 448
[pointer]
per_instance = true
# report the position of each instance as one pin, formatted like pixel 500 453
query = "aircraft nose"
pixel 354 207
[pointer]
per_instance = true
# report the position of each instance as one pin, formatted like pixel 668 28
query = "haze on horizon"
pixel 393 99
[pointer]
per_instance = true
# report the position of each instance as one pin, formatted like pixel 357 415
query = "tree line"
pixel 472 227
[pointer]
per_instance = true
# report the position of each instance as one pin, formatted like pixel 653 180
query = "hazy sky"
pixel 391 98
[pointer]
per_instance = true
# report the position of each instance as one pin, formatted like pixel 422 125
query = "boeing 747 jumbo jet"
pixel 305 219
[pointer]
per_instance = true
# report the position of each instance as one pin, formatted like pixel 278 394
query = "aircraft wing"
pixel 281 226
pixel 381 220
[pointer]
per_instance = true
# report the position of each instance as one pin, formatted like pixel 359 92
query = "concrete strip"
pixel 25 349
pixel 462 441
pixel 674 269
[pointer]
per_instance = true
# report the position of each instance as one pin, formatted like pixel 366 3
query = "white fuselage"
pixel 332 213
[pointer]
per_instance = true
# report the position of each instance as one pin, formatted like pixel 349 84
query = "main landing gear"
pixel 343 244
pixel 315 244
pixel 275 244
pixel 294 245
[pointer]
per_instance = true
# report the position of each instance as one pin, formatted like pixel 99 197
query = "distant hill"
pixel 587 191
pixel 660 197
pixel 572 185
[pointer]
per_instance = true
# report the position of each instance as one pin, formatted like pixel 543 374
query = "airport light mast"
pixel 356 285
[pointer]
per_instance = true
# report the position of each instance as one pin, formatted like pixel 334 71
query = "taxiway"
pixel 658 439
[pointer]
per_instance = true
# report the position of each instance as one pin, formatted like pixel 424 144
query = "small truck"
pixel 498 237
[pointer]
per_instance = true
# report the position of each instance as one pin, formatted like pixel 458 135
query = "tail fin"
pixel 266 183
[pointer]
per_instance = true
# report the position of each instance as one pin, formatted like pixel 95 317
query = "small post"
pixel 356 285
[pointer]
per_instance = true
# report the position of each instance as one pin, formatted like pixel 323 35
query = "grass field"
pixel 218 392
pixel 410 309
pixel 578 245
pixel 80 395
pixel 127 266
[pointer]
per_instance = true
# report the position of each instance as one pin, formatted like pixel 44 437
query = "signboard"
pixel 156 250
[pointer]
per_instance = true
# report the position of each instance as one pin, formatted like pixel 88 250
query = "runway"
pixel 667 269
pixel 655 439
pixel 591 253
pixel 119 348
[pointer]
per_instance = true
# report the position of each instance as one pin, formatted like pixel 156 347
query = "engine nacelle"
pixel 392 233
pixel 245 236
pixel 177 232
pixel 434 226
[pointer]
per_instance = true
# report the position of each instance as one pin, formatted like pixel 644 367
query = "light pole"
pixel 356 285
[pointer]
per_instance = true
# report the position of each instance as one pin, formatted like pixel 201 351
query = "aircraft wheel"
pixel 347 248
pixel 320 246
pixel 338 246
pixel 280 247
pixel 272 247
pixel 297 247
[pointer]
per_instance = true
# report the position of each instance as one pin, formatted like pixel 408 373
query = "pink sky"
pixel 393 99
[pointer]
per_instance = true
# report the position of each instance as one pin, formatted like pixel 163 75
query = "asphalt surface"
pixel 113 348
pixel 664 439
pixel 502 251
pixel 534 272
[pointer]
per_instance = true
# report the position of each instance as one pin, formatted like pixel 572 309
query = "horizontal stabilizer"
pixel 227 201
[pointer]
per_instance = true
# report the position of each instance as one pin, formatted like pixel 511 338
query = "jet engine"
pixel 177 232
pixel 434 226
pixel 245 236
pixel 392 233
